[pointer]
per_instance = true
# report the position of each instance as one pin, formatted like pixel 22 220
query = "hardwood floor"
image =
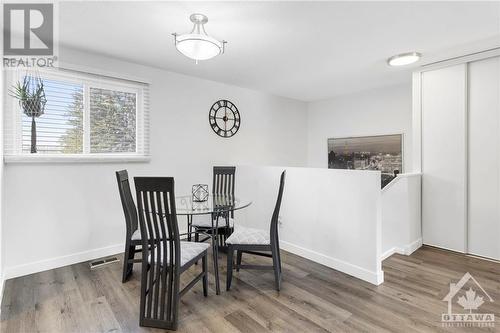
pixel 314 298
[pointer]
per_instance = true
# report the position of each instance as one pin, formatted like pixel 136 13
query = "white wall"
pixel 401 215
pixel 386 110
pixel 71 212
pixel 329 216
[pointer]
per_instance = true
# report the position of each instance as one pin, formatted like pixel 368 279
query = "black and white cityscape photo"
pixel 380 152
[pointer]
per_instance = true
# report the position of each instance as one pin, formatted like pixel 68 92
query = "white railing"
pixel 401 215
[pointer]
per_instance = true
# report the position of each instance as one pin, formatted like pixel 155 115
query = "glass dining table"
pixel 219 207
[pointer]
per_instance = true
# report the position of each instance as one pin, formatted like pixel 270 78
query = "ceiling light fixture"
pixel 404 59
pixel 197 44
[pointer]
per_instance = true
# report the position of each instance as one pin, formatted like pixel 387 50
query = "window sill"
pixel 44 158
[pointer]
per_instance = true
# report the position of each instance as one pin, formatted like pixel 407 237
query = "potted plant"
pixel 31 96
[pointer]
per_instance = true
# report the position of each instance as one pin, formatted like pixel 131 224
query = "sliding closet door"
pixel 484 158
pixel 444 157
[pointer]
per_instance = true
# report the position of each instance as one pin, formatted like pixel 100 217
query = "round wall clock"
pixel 224 118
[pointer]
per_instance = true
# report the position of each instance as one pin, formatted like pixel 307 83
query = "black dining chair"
pixel 133 234
pixel 257 242
pixel 222 184
pixel 166 257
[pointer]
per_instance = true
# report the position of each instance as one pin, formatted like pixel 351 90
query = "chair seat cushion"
pixel 243 235
pixel 189 250
pixel 136 235
pixel 206 221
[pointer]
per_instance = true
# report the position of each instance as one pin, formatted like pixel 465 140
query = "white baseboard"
pixel 46 264
pixel 375 278
pixel 412 247
pixel 405 250
pixel 390 252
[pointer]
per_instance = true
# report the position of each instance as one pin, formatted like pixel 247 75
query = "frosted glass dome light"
pixel 197 44
pixel 404 59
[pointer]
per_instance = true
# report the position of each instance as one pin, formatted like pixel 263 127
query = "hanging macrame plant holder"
pixel 31 96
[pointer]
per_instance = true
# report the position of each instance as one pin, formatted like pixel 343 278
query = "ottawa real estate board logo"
pixel 469 295
pixel 29 35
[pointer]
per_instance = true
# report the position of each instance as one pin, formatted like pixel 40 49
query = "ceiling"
pixel 302 50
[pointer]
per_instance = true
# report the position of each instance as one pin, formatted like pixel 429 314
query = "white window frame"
pixel 13 119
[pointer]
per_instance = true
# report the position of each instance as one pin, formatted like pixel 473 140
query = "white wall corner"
pixel 378 242
pixel 416 122
pixel 405 250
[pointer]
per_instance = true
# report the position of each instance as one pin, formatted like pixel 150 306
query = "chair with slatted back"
pixel 133 234
pixel 166 257
pixel 257 242
pixel 222 184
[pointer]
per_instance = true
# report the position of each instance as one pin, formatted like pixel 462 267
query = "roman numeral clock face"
pixel 224 118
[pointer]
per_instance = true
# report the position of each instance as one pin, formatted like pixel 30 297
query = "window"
pixel 60 128
pixel 112 121
pixel 85 116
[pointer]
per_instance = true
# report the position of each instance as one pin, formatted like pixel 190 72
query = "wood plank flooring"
pixel 314 298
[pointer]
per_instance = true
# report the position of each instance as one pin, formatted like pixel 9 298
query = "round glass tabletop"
pixel 185 205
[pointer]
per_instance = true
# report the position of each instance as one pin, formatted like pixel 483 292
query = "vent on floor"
pixel 102 262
